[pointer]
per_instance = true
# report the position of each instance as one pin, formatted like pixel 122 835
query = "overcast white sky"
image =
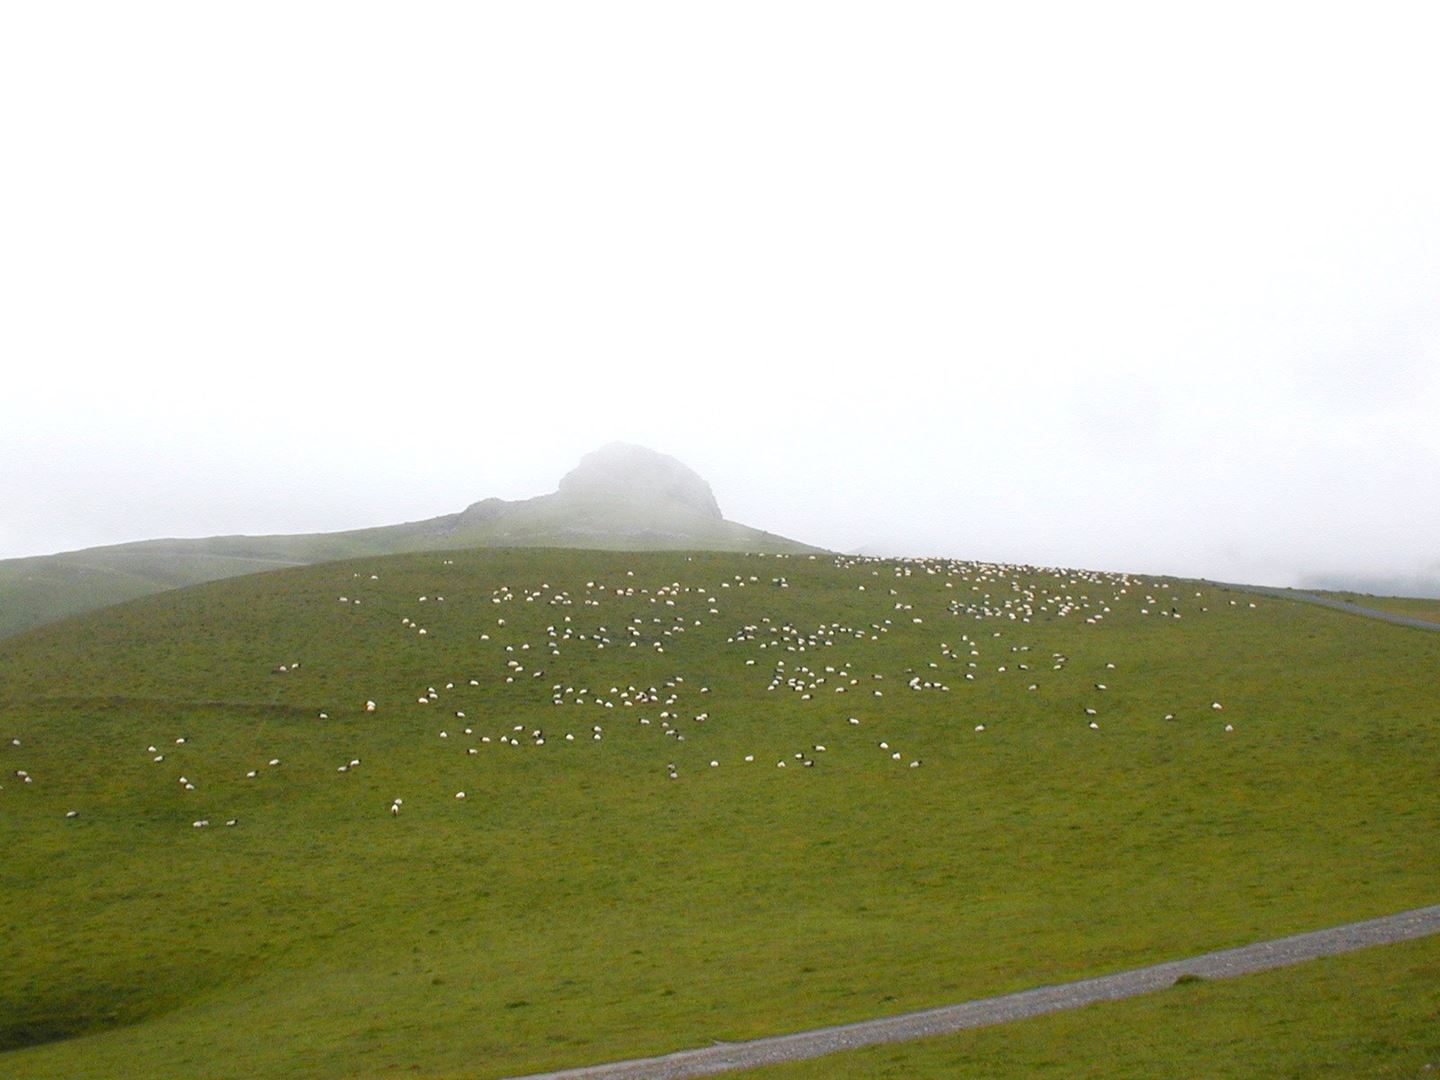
pixel 1126 286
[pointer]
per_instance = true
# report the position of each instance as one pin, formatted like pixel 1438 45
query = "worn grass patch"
pixel 582 905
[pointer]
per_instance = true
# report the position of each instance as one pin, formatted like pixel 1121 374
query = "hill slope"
pixel 604 890
pixel 620 497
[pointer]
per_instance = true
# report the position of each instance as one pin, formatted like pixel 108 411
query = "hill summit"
pixel 621 497
pixel 623 470
pixel 621 488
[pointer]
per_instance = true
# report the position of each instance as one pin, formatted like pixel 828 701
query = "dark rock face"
pixel 620 475
pixel 622 471
pixel 486 510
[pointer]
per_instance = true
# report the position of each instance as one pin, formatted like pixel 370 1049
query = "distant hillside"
pixel 619 498
pixel 1424 584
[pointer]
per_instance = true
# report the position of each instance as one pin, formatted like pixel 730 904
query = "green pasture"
pixel 580 904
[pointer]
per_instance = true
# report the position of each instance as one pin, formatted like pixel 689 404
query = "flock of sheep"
pixel 799 661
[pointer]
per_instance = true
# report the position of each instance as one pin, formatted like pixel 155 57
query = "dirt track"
pixel 1301 597
pixel 1245 960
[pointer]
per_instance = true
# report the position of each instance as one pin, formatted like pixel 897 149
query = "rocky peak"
pixel 626 471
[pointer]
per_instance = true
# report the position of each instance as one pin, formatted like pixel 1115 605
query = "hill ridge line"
pixel 984 1012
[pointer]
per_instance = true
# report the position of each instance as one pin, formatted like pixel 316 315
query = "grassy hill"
pixel 603 890
pixel 620 497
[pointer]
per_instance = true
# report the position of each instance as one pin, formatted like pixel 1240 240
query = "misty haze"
pixel 652 540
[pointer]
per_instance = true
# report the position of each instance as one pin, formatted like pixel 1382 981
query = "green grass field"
pixel 580 905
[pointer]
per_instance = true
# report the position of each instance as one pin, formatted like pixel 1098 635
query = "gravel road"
pixel 1330 602
pixel 1245 960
